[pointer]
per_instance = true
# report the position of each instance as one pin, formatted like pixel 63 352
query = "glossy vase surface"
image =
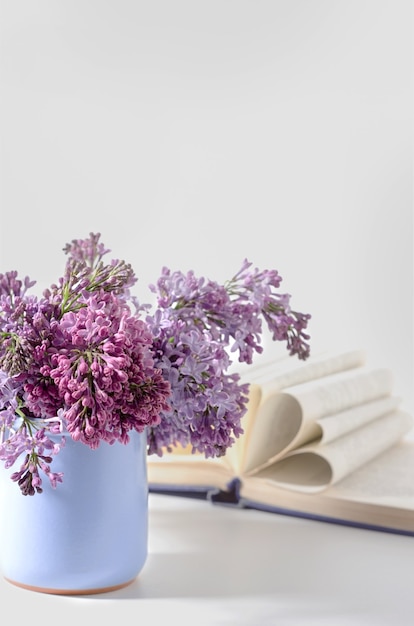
pixel 90 534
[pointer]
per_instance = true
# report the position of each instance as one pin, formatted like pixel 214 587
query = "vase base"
pixel 70 592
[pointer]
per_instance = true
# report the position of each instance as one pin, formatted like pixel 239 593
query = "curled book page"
pixel 290 418
pixel 316 467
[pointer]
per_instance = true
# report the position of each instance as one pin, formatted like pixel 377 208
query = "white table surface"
pixel 210 564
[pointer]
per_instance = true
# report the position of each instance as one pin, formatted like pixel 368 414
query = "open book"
pixel 324 439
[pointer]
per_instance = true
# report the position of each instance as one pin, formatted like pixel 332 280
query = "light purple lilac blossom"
pixel 196 325
pixel 79 360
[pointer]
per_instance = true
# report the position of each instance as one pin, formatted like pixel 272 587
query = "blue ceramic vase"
pixel 90 534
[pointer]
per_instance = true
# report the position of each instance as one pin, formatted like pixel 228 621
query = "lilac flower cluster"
pixel 78 360
pixel 198 324
pixel 78 357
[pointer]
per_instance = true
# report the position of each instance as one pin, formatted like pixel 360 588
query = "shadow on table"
pixel 243 553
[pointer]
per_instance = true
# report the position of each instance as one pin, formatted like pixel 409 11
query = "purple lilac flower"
pixel 194 324
pixel 78 352
pixel 20 435
pixel 78 359
pixel 206 404
pixel 105 376
pixel 31 439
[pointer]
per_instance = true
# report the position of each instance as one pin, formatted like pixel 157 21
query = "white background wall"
pixel 194 134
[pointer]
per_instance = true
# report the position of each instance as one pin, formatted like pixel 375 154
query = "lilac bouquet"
pixel 88 360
